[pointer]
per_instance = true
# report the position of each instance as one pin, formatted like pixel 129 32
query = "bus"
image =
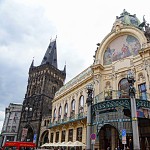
pixel 19 146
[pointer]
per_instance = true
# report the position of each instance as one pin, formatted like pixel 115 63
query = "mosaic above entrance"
pixel 120 48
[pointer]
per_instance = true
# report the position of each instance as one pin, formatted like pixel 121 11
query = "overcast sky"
pixel 26 27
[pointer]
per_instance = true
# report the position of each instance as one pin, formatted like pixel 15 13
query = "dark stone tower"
pixel 43 82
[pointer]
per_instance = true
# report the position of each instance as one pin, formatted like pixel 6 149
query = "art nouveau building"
pixel 126 48
pixel 70 110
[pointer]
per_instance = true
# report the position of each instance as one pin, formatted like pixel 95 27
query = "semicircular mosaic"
pixel 120 48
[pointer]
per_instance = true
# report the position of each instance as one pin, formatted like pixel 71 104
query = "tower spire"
pixel 32 64
pixel 50 56
pixel 64 68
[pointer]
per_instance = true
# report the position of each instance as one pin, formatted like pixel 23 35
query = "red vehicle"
pixel 19 146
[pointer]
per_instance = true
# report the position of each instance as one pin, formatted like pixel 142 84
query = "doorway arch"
pixel 30 134
pixel 44 137
pixel 108 137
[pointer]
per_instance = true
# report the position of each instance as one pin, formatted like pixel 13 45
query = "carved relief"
pixel 108 85
pixel 141 77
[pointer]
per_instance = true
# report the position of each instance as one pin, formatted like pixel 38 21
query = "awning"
pixel 45 145
pixel 77 143
pixel 62 144
pixel 67 144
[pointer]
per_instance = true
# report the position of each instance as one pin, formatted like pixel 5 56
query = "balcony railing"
pixel 66 120
pixel 114 94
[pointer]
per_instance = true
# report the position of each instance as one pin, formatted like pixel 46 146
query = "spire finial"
pixel 32 64
pixel 64 68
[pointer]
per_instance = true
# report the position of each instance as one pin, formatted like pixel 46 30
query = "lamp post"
pixel 89 120
pixel 136 144
pixel 28 111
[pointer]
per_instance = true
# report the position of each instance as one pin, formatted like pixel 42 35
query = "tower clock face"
pixel 122 47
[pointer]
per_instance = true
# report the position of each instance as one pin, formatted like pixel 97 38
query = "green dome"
pixel 128 19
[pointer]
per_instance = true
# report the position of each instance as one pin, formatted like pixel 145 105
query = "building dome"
pixel 127 19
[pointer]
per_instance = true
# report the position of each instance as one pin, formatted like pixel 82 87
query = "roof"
pixel 76 80
pixel 126 18
pixel 50 56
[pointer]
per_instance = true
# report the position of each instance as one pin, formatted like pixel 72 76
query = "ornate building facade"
pixel 44 80
pixel 125 49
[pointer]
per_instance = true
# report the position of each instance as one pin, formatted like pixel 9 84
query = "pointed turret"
pixel 32 64
pixel 50 56
pixel 64 71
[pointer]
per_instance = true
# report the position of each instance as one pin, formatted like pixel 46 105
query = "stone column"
pixel 66 137
pixel 74 134
pixel 54 137
pixel 60 135
pixel 136 143
pixel 89 120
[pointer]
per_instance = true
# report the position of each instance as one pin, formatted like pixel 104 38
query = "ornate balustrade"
pixel 116 94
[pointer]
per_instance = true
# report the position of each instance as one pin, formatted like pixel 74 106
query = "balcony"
pixel 66 120
pixel 108 101
pixel 114 94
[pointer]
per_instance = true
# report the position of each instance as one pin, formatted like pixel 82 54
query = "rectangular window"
pixel 79 134
pixel 63 136
pixel 70 135
pixel 142 91
pixel 57 137
pixel 52 136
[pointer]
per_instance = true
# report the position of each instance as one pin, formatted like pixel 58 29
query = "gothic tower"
pixel 43 82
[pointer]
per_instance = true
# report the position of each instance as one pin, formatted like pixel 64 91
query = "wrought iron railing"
pixel 66 120
pixel 116 94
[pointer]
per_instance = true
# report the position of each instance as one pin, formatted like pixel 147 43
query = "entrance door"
pixel 30 135
pixel 108 137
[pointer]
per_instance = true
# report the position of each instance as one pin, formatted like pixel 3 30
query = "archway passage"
pixel 108 137
pixel 44 137
pixel 30 134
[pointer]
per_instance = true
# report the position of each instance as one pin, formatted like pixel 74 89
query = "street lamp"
pixel 28 111
pixel 136 144
pixel 89 120
pixel 27 108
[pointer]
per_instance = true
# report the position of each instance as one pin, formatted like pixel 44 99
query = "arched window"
pixel 81 103
pixel 60 111
pixel 123 87
pixel 73 105
pixel 66 109
pixel 54 113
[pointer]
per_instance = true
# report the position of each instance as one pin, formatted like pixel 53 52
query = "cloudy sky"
pixel 26 27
